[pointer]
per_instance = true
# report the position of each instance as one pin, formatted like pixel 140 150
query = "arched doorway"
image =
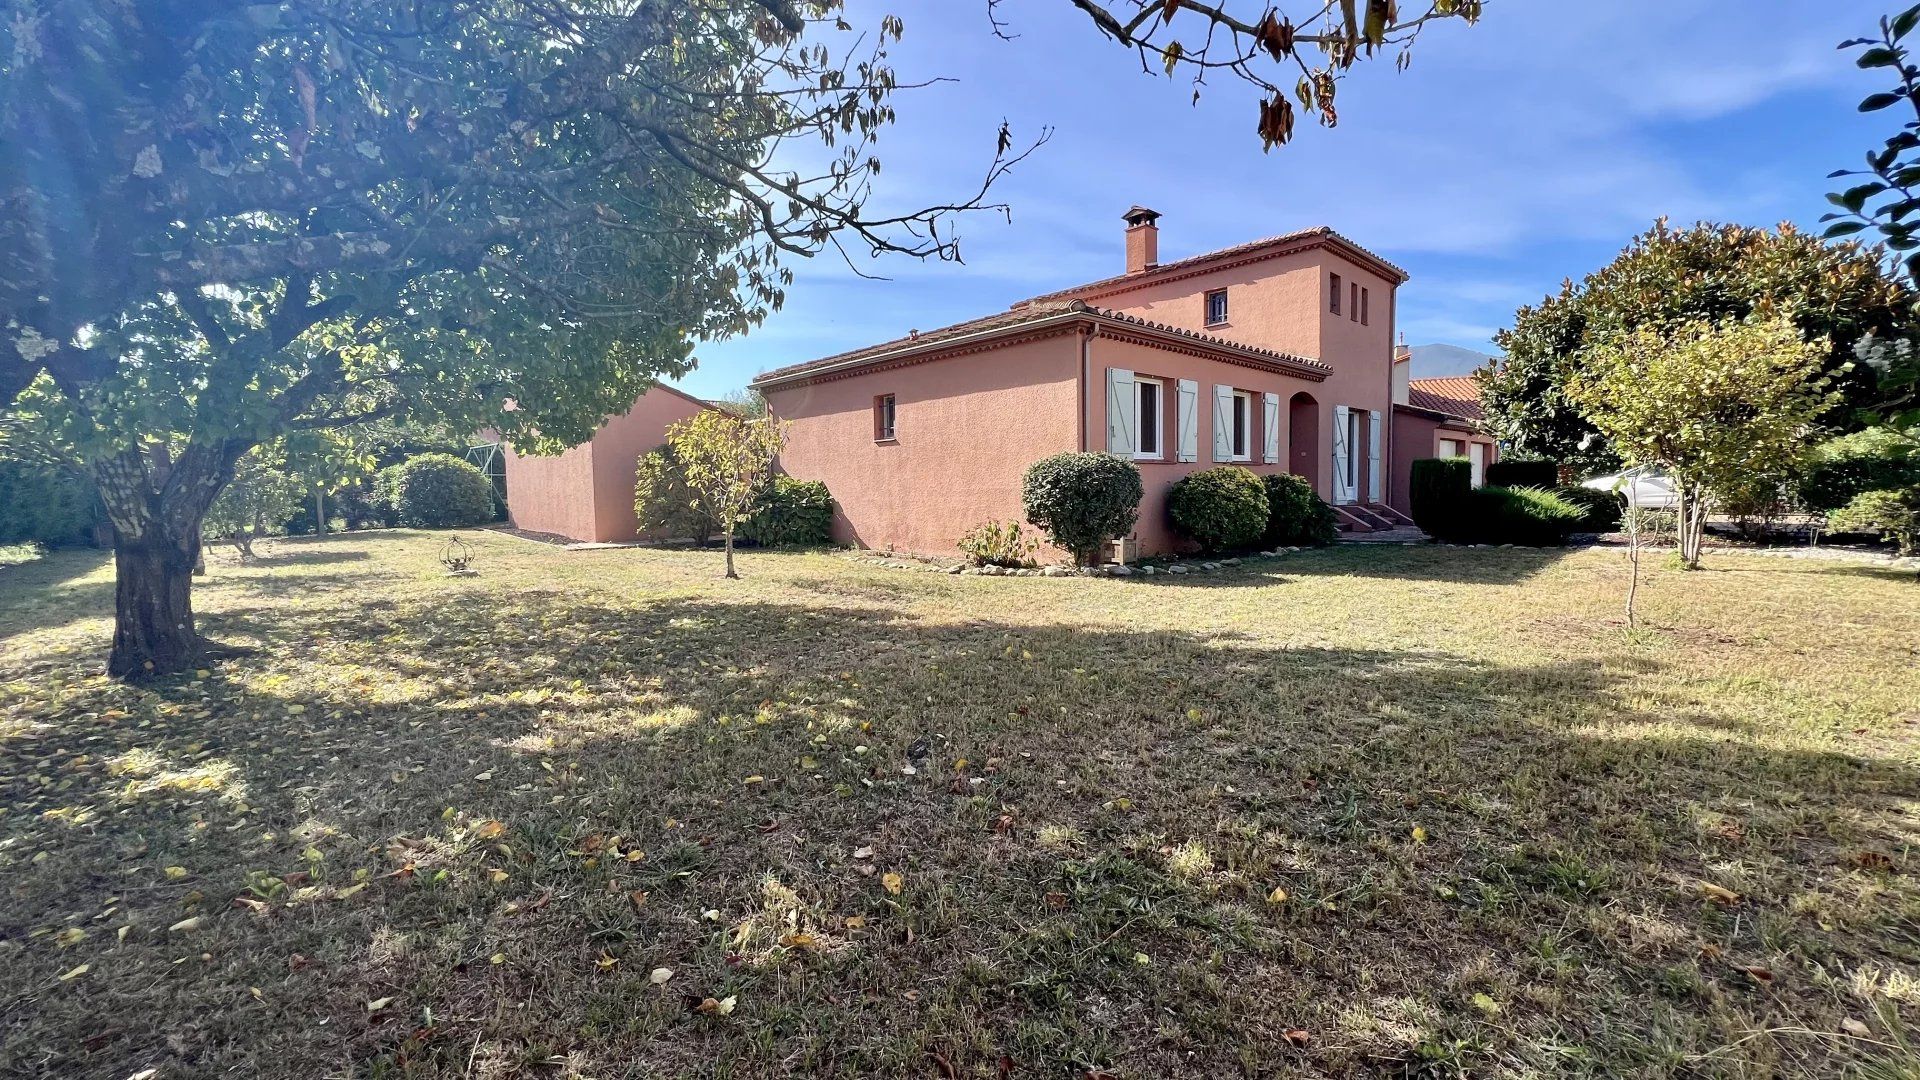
pixel 1303 438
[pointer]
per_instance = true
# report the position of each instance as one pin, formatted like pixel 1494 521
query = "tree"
pixel 1714 404
pixel 1261 45
pixel 662 501
pixel 728 461
pixel 225 222
pixel 1668 278
pixel 261 493
pixel 1887 201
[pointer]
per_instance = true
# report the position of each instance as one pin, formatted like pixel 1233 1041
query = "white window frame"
pixel 886 418
pixel 1242 435
pixel 1459 444
pixel 1159 451
pixel 1208 301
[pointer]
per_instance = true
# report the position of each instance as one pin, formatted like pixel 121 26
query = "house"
pixel 1436 418
pixel 586 493
pixel 1275 355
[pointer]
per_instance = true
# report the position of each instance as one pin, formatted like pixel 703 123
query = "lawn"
pixel 1374 811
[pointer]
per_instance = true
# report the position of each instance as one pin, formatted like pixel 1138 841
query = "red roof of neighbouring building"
pixel 1457 395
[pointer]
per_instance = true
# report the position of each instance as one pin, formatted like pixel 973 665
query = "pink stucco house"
pixel 1276 355
pixel 586 493
pixel 1436 418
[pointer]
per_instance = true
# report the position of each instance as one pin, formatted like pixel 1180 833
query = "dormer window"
pixel 1217 307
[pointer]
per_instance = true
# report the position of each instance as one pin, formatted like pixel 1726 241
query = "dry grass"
pixel 1363 811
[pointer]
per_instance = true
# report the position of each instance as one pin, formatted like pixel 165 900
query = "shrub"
pixel 1512 474
pixel 1082 500
pixel 998 544
pixel 1295 515
pixel 663 502
pixel 1527 515
pixel 1221 508
pixel 1601 509
pixel 791 513
pixel 43 505
pixel 437 491
pixel 1893 515
pixel 1437 486
pixel 1877 459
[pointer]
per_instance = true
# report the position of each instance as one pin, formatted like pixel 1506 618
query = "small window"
pixel 1216 307
pixel 1353 309
pixel 883 418
pixel 1452 448
pixel 1147 417
pixel 1365 298
pixel 1242 426
pixel 1335 292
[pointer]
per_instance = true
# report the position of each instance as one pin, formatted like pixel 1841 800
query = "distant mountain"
pixel 1439 361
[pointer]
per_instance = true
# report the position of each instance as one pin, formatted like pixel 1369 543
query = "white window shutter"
pixel 1342 490
pixel 1189 425
pixel 1373 456
pixel 1120 406
pixel 1222 423
pixel 1270 414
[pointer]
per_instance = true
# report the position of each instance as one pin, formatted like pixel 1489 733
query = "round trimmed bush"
pixel 1082 500
pixel 1221 508
pixel 791 513
pixel 1296 517
pixel 437 491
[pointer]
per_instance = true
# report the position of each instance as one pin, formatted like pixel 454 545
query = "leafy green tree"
pixel 1892 514
pixel 1714 404
pixel 261 493
pixel 1887 201
pixel 728 461
pixel 1668 278
pixel 227 222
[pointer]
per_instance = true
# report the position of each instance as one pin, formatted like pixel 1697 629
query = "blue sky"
pixel 1511 155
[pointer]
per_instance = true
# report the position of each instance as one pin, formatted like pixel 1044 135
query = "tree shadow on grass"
pixel 1059 802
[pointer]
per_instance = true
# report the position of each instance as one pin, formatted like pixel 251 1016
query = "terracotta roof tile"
pixel 1032 313
pixel 1457 395
pixel 1320 232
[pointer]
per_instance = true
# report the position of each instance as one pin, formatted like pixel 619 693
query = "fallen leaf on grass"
pixel 659 976
pixel 722 1007
pixel 378 1003
pixel 1759 974
pixel 69 937
pixel 1277 896
pixel 76 972
pixel 175 873
pixel 1855 1028
pixel 489 829
pixel 863 853
pixel 802 941
pixel 1877 861
pixel 1719 895
pixel 856 922
pixel 1297 1037
pixel 1486 1004
pixel 186 926
pixel 892 882
pixel 1419 834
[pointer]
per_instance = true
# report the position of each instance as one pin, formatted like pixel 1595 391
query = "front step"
pixel 1355 518
pixel 1395 517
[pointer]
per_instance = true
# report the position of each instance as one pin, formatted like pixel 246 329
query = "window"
pixel 1216 307
pixel 1148 400
pixel 1242 426
pixel 1364 298
pixel 1452 448
pixel 1335 291
pixel 1353 308
pixel 883 418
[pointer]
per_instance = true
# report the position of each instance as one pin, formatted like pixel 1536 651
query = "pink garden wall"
pixel 586 493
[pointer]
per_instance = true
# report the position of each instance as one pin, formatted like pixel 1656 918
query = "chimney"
pixel 1143 240
pixel 1402 372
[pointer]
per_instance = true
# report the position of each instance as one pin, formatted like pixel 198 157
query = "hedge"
pixel 1221 509
pixel 1602 508
pixel 437 491
pixel 1877 459
pixel 1436 488
pixel 44 505
pixel 1296 517
pixel 1082 501
pixel 1536 517
pixel 1513 474
pixel 791 513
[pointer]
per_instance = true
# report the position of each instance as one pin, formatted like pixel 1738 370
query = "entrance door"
pixel 1477 453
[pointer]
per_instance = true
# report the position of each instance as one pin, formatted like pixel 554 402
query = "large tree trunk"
pixel 156 502
pixel 153 631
